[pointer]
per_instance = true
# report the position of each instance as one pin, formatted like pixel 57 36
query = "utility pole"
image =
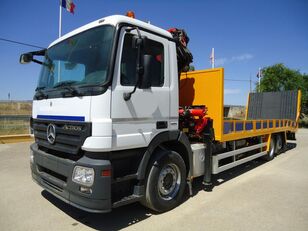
pixel 250 82
pixel 259 75
pixel 212 57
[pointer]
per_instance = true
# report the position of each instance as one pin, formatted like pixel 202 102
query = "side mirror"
pixel 139 41
pixel 25 58
pixel 151 68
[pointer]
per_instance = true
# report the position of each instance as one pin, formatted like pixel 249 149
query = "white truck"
pixel 107 125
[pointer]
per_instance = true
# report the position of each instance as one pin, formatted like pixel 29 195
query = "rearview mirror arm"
pixel 39 62
pixel 139 67
pixel 39 53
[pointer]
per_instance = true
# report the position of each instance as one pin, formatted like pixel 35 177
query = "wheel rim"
pixel 169 181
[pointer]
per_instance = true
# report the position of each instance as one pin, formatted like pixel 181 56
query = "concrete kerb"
pixel 15 138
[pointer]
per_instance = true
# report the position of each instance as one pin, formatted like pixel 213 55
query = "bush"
pixel 303 122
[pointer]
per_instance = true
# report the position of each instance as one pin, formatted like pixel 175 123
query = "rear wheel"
pixel 165 183
pixel 279 144
pixel 271 153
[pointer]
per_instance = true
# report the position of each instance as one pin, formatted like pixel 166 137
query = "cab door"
pixel 136 121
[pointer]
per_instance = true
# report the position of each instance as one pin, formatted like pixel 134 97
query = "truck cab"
pixel 106 101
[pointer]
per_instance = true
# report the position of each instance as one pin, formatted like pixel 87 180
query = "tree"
pixel 191 68
pixel 281 78
pixel 305 95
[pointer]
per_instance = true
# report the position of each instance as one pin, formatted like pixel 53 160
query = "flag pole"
pixel 60 20
pixel 60 32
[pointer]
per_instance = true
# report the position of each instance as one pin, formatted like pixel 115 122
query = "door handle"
pixel 161 124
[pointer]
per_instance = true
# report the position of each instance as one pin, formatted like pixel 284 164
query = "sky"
pixel 246 35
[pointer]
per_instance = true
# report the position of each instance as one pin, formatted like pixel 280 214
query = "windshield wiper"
pixel 39 88
pixel 64 83
pixel 72 90
pixel 40 94
pixel 68 86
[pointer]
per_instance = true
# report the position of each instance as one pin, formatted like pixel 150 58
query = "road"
pixel 256 196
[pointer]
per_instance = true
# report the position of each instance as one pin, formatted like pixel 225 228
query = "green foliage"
pixel 281 78
pixel 305 96
pixel 303 122
pixel 191 68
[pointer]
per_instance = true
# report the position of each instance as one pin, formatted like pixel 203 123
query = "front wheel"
pixel 165 183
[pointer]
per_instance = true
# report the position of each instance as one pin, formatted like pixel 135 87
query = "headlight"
pixel 83 175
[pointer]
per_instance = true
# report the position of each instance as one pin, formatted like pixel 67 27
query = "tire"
pixel 271 153
pixel 165 182
pixel 279 144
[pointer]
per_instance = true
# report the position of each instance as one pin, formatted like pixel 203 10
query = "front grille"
pixel 67 139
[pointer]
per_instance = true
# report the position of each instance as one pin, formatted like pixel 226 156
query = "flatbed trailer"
pixel 206 87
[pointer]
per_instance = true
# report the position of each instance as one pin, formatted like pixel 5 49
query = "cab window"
pixel 129 62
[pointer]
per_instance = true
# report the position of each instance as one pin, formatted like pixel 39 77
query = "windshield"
pixel 81 60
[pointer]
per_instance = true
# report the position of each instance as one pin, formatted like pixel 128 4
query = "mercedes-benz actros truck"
pixel 118 119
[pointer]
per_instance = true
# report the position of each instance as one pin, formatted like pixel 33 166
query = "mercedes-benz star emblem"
pixel 51 133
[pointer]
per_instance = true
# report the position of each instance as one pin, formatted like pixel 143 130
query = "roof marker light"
pixel 130 14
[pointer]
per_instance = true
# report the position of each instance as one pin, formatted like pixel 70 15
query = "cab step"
pixel 125 178
pixel 126 200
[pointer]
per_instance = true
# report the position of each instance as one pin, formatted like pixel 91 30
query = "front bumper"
pixel 55 175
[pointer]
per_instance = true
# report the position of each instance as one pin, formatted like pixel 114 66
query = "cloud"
pixel 239 58
pixel 230 91
pixel 221 61
pixel 242 57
